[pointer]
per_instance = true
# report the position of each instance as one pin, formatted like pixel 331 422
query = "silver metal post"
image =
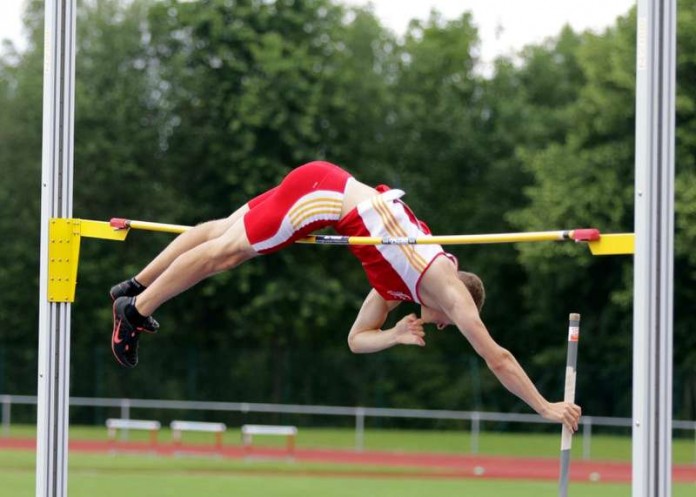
pixel 6 414
pixel 56 201
pixel 654 244
pixel 360 429
pixel 475 431
pixel 586 437
pixel 125 414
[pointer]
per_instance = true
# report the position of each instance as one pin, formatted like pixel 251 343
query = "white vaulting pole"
pixel 56 201
pixel 654 246
pixel 569 396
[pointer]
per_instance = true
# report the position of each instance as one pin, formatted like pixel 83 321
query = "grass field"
pixel 145 476
pixel 108 475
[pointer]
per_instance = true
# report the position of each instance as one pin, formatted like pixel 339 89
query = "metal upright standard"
pixel 654 245
pixel 56 202
pixel 569 396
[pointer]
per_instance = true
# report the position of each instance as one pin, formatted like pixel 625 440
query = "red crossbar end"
pixel 586 235
pixel 118 223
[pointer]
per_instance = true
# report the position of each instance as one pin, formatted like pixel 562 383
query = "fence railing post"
pixel 6 414
pixel 475 430
pixel 359 429
pixel 125 414
pixel 586 436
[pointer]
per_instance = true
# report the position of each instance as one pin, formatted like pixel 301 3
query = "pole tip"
pixel 574 316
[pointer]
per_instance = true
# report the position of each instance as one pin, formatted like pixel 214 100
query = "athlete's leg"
pixel 224 252
pixel 185 242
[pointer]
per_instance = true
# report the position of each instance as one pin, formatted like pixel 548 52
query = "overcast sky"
pixel 504 25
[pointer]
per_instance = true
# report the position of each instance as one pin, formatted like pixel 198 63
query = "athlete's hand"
pixel 565 413
pixel 409 331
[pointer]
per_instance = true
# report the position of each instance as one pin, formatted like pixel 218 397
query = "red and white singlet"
pixel 394 271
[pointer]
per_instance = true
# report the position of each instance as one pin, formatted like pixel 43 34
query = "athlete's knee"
pixel 217 227
pixel 209 229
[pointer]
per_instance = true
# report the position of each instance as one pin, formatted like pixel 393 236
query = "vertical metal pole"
pixel 586 437
pixel 360 429
pixel 125 408
pixel 56 201
pixel 6 414
pixel 569 396
pixel 653 263
pixel 475 431
pixel 125 414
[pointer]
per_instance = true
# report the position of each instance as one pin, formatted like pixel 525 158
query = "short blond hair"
pixel 475 286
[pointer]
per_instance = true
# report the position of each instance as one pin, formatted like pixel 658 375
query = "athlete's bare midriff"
pixel 355 193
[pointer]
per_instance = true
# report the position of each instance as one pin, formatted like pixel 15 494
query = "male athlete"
pixel 314 196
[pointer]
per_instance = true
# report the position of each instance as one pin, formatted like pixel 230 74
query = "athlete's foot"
pixel 126 333
pixel 131 288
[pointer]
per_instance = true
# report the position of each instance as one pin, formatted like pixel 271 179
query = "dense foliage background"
pixel 186 109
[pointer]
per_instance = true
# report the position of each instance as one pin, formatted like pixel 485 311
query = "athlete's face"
pixel 437 318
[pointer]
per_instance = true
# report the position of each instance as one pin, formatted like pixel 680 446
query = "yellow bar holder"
pixel 64 235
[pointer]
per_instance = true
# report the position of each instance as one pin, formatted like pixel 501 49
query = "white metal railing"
pixel 359 413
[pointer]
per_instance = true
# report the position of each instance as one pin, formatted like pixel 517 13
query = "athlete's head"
pixel 475 286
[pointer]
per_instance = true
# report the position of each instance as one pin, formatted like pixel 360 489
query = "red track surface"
pixel 420 465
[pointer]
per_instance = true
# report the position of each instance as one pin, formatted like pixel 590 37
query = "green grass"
pixel 604 447
pixel 148 476
pixel 114 475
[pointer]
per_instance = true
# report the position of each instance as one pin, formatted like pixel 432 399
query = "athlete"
pixel 313 196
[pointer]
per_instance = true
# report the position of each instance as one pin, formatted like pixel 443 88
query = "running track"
pixel 425 465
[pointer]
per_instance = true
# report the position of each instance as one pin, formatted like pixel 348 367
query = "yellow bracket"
pixel 64 236
pixel 100 229
pixel 63 257
pixel 614 244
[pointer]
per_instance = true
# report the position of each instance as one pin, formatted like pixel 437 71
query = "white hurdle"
pixel 248 432
pixel 178 427
pixel 115 424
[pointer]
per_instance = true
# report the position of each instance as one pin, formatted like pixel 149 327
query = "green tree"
pixel 584 177
pixel 20 168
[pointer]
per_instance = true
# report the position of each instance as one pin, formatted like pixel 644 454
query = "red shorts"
pixel 309 198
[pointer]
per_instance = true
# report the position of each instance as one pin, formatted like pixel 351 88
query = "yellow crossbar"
pixel 65 235
pixel 608 244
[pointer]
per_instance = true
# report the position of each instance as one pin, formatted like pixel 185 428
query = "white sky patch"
pixel 505 26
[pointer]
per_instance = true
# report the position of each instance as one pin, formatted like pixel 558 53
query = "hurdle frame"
pixel 653 263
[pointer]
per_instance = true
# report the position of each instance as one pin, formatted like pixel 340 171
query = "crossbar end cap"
pixel 118 223
pixel 586 235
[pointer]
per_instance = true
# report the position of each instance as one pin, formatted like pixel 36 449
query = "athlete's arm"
pixel 366 335
pixel 461 310
pixel 509 372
